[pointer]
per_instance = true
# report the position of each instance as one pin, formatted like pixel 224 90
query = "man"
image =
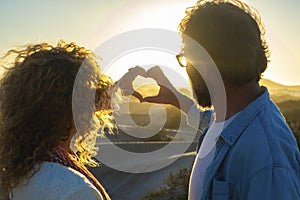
pixel 256 155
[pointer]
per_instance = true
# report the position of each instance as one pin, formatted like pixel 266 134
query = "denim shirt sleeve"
pixel 268 184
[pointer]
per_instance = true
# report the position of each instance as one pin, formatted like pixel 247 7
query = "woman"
pixel 37 123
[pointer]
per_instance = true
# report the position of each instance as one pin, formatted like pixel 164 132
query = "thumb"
pixel 153 99
pixel 138 96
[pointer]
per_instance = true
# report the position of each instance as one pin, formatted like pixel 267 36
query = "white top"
pixel 205 156
pixel 199 119
pixel 56 182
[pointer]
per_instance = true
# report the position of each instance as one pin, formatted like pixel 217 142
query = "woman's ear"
pixel 68 130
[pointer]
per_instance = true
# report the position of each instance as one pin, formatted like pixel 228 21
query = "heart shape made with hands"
pixel 166 89
pixel 145 86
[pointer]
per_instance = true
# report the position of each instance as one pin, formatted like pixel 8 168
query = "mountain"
pixel 273 85
pixel 286 97
pixel 280 93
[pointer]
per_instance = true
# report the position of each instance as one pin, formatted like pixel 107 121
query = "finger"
pixel 137 95
pixel 155 72
pixel 153 99
pixel 131 75
pixel 137 70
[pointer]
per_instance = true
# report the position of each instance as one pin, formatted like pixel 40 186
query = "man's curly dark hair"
pixel 36 96
pixel 233 35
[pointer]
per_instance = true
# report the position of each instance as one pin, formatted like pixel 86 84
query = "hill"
pixel 290 109
pixel 273 85
pixel 286 97
pixel 281 93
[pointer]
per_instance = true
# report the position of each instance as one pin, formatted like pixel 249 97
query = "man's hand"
pixel 167 91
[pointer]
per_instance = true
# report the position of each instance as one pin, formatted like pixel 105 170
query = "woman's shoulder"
pixel 55 173
pixel 55 180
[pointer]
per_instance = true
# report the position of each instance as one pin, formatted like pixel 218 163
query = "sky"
pixel 93 22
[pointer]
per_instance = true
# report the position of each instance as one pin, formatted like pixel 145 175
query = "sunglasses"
pixel 182 60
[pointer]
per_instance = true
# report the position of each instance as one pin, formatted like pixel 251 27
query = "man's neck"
pixel 238 98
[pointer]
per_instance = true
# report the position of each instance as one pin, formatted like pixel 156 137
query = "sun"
pixel 147 59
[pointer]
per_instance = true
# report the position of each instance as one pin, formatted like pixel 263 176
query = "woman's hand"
pixel 125 83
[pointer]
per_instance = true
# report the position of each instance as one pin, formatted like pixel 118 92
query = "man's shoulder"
pixel 268 125
pixel 271 127
pixel 267 140
pixel 265 143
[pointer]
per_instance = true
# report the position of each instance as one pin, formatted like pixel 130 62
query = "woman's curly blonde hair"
pixel 37 93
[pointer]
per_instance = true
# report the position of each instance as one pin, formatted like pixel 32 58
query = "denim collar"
pixel 231 133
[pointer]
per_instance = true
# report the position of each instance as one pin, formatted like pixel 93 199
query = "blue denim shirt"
pixel 257 157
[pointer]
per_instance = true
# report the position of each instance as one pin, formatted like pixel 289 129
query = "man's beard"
pixel 201 94
pixel 200 89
